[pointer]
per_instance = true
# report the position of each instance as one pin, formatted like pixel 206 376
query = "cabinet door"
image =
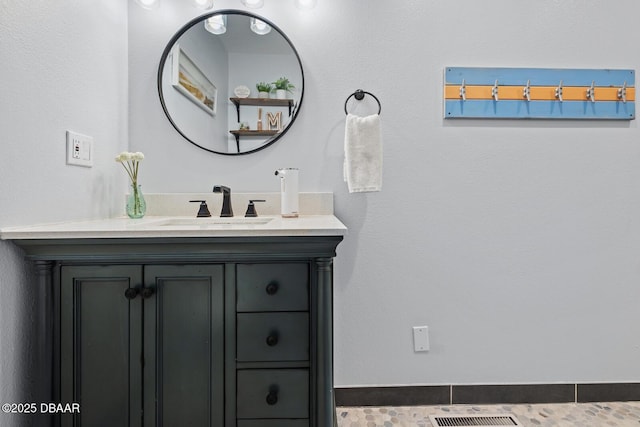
pixel 184 346
pixel 100 345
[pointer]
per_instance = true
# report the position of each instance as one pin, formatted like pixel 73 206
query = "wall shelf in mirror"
pixel 239 133
pixel 262 102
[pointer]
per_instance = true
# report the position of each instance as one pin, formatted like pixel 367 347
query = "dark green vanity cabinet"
pixel 128 349
pixel 211 332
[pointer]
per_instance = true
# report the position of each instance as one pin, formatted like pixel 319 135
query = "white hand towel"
pixel 363 153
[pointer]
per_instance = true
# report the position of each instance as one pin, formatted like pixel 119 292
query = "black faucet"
pixel 227 210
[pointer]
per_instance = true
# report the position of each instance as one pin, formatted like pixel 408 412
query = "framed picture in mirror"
pixel 189 80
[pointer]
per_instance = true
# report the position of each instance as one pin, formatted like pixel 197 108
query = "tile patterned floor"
pixel 617 414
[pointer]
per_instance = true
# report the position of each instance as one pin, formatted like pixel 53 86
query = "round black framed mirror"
pixel 208 81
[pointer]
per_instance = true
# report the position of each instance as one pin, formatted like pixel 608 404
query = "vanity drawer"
pixel 273 393
pixel 272 287
pixel 272 337
pixel 273 423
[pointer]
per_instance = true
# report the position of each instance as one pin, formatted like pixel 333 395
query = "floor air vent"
pixel 474 420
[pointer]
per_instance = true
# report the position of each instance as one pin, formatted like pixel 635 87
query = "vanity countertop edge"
pixel 156 227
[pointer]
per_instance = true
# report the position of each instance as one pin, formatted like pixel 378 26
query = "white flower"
pixel 137 156
pixel 131 163
pixel 124 156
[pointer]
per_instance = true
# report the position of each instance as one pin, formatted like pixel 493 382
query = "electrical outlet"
pixel 79 149
pixel 420 338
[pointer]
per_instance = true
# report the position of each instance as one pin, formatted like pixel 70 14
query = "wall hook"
pixel 559 92
pixel 526 92
pixel 463 91
pixel 622 93
pixel 494 91
pixel 591 92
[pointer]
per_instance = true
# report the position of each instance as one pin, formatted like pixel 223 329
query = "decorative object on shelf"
pixel 264 102
pixel 259 126
pixel 136 205
pixel 281 87
pixel 539 93
pixel 242 92
pixel 274 121
pixel 244 126
pixel 260 102
pixel 263 89
pixel 189 80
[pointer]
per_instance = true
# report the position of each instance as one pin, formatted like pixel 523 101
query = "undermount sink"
pixel 208 222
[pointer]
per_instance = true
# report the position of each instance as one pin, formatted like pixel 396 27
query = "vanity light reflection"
pixel 148 4
pixel 305 4
pixel 260 27
pixel 253 4
pixel 203 4
pixel 208 4
pixel 217 24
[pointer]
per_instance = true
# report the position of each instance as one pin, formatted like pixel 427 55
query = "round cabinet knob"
pixel 272 397
pixel 131 293
pixel 272 288
pixel 272 339
pixel 147 292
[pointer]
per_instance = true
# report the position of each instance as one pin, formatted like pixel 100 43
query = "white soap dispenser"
pixel 288 192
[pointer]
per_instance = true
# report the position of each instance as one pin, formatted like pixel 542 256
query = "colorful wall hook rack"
pixel 539 93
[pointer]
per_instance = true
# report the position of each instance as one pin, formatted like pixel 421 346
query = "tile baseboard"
pixel 518 393
pixel 486 394
pixel 393 396
pixel 613 392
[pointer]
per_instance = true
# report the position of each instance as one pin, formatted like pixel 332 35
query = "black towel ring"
pixel 359 95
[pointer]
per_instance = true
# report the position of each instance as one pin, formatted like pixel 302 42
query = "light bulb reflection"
pixel 253 4
pixel 217 24
pixel 306 4
pixel 203 4
pixel 148 4
pixel 260 27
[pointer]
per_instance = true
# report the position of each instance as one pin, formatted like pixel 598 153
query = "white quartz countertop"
pixel 176 226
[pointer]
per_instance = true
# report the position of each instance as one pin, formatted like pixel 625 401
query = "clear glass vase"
pixel 136 206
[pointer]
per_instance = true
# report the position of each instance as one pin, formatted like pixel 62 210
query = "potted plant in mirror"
pixel 282 86
pixel 263 89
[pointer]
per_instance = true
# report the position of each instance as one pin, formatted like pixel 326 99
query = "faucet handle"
pixel 204 209
pixel 251 209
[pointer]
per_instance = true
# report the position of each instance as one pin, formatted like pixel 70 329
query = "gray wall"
pixel 516 242
pixel 64 67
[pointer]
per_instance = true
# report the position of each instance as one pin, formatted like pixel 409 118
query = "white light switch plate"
pixel 420 338
pixel 79 149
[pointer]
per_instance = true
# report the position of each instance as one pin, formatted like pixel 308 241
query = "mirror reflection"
pixel 231 82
